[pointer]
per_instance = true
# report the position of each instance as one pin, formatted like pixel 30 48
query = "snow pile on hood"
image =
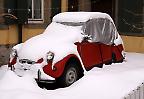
pixel 11 81
pixel 57 38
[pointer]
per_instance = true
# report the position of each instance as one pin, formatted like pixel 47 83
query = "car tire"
pixel 69 76
pixel 109 62
pixel 114 58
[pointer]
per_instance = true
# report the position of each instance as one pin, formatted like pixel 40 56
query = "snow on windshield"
pixel 57 38
pixel 98 25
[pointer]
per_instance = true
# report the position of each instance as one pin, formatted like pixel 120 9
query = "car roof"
pixel 79 16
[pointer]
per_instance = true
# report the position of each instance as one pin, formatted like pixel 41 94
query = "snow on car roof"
pixel 79 16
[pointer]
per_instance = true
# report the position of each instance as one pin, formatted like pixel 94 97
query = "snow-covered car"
pixel 72 44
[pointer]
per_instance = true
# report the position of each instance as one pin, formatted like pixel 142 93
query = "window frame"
pixel 33 20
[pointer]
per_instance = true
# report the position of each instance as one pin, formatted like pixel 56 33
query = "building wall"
pixel 28 33
pixel 34 29
pixel 133 44
pixel 9 34
pixel 84 5
pixel 64 5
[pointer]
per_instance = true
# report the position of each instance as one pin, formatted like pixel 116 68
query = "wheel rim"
pixel 71 76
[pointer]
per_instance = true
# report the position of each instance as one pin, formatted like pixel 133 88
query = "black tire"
pixel 109 62
pixel 114 58
pixel 69 76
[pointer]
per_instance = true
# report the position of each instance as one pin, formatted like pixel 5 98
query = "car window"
pixel 72 23
pixel 101 30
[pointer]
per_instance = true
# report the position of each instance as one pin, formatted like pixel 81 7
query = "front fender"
pixel 59 66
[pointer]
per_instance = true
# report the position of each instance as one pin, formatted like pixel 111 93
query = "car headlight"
pixel 50 55
pixel 13 53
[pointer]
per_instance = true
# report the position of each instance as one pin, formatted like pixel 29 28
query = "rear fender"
pixel 117 50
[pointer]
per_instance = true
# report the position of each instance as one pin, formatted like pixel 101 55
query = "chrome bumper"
pixel 39 79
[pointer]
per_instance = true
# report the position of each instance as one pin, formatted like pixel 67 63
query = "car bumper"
pixel 34 70
pixel 44 80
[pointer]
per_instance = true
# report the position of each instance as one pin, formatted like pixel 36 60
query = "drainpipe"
pixel 19 33
pixel 19 25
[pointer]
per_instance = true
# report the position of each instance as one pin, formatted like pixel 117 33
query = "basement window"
pixel 36 11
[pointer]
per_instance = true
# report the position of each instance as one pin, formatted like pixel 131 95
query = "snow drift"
pixel 111 82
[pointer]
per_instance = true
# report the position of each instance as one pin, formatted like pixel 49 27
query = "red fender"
pixel 59 67
pixel 11 64
pixel 118 50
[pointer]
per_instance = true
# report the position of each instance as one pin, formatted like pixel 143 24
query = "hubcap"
pixel 71 76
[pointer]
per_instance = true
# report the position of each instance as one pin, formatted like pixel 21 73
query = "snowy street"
pixel 110 82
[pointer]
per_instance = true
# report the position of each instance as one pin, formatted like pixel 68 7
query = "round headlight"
pixel 50 55
pixel 13 53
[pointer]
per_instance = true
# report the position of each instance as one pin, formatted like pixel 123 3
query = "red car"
pixel 72 44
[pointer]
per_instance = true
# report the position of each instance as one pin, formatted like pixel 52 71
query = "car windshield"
pixel 72 23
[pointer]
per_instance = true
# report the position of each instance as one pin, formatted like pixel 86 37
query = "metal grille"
pixel 137 93
pixel 24 61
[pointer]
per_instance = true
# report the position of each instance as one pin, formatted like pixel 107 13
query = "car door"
pixel 106 51
pixel 90 54
pixel 107 39
pixel 96 48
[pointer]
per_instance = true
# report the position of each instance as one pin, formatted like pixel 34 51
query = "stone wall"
pixel 4 53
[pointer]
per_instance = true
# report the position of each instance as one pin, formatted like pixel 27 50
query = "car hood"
pixel 57 38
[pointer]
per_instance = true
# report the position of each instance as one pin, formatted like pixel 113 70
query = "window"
pixel 36 11
pixel 101 29
pixel 56 7
pixel 72 5
pixel 131 17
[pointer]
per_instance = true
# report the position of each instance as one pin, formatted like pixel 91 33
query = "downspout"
pixel 19 33
pixel 19 25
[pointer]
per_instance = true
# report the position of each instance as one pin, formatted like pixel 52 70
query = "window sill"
pixel 35 21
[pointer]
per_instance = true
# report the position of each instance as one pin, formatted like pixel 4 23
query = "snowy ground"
pixel 111 82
